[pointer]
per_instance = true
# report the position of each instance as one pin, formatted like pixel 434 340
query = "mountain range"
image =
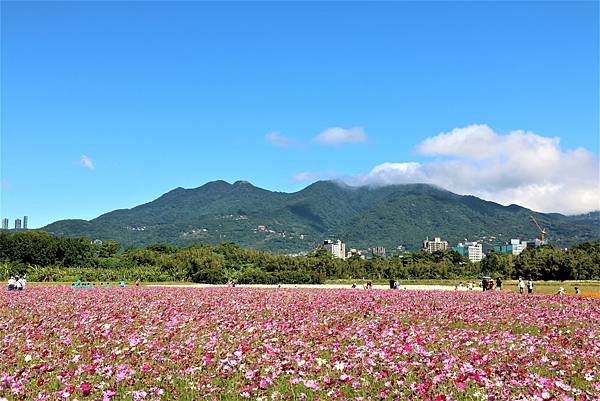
pixel 362 217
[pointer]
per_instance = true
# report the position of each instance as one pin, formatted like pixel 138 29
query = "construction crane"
pixel 542 230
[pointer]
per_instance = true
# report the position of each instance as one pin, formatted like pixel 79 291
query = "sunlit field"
pixel 142 343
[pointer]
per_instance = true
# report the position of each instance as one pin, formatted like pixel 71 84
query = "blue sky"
pixel 107 105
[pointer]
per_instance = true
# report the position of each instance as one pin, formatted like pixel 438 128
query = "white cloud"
pixel 275 138
pixel 337 135
pixel 519 167
pixel 86 162
pixel 306 176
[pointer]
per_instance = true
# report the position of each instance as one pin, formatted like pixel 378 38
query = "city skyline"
pixel 118 103
pixel 18 223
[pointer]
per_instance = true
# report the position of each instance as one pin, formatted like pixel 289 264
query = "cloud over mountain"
pixel 306 176
pixel 519 167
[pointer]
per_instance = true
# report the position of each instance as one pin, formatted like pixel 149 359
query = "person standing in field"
pixel 498 283
pixel 530 286
pixel 12 284
pixel 521 285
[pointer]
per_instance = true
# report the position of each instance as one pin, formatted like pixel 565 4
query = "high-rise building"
pixel 5 223
pixel 337 249
pixel 24 222
pixel 518 246
pixel 472 250
pixel 515 247
pixel 17 224
pixel 378 250
pixel 436 245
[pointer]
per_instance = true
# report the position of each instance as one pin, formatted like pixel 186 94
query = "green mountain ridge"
pixel 362 217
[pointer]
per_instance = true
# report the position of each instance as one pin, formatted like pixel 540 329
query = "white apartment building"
pixel 472 250
pixel 436 245
pixel 354 251
pixel 517 246
pixel 475 252
pixel 337 249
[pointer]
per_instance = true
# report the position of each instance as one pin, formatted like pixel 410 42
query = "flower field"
pixel 294 344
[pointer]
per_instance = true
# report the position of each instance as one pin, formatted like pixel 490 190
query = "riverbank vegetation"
pixel 47 258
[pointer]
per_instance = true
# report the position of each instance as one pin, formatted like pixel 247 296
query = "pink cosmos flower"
pixel 85 388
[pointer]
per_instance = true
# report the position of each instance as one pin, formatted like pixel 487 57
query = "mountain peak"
pixel 216 184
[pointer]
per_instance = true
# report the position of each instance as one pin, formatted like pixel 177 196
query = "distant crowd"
pixel 16 283
pixel 81 284
pixel 486 284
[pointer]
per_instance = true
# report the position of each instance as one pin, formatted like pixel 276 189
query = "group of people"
pixel 486 284
pixel 489 284
pixel 81 284
pixel 367 286
pixel 16 283
pixel 521 286
pixel 470 286
pixel 561 291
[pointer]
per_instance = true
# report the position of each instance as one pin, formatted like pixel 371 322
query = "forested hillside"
pixel 362 217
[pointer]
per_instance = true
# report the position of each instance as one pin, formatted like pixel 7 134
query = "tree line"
pixel 43 257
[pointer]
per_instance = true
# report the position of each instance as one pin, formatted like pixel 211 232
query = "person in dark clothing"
pixel 530 286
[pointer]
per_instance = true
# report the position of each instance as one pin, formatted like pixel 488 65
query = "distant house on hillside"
pixel 354 251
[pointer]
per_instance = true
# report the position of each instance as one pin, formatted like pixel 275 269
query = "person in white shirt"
pixel 521 285
pixel 12 283
pixel 21 281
